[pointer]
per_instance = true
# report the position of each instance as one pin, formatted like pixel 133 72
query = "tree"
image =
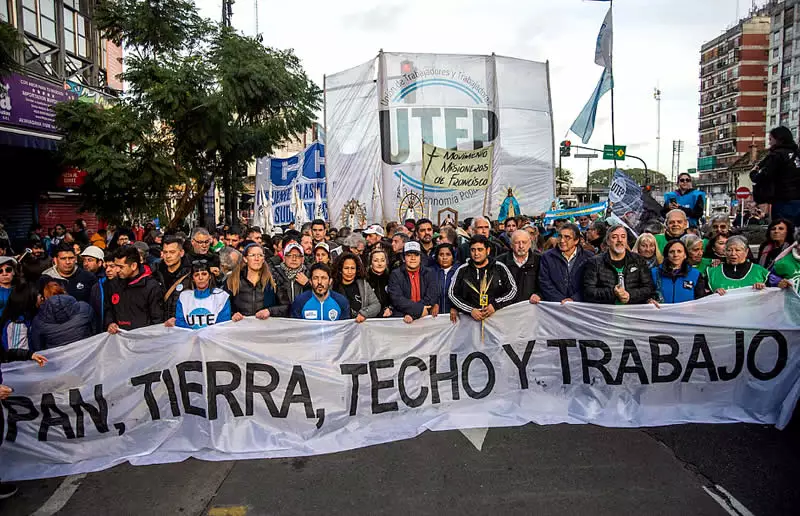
pixel 202 102
pixel 9 45
pixel 603 177
pixel 563 179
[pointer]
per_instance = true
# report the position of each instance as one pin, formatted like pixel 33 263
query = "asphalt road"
pixel 541 470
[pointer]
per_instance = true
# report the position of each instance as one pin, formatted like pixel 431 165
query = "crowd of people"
pixel 69 285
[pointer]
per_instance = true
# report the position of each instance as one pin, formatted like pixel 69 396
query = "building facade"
pixel 62 57
pixel 783 95
pixel 734 74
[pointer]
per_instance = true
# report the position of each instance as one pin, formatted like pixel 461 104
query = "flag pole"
pixel 611 72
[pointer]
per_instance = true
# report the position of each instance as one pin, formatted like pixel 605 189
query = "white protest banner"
pixel 283 388
pixel 461 170
pixel 458 102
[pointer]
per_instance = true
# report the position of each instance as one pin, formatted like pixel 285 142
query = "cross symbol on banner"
pixel 319 161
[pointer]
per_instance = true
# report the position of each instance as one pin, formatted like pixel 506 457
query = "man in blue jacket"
pixel 414 289
pixel 690 201
pixel 320 303
pixel 561 269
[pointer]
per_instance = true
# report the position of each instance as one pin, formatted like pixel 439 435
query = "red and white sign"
pixel 742 193
pixel 72 178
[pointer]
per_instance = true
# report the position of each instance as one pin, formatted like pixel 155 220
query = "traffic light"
pixel 406 68
pixel 566 148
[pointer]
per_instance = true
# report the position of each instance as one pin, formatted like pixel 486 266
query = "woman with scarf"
pixel 675 279
pixel 290 279
pixel 780 235
pixel 737 271
pixel 203 305
pixel 694 253
pixel 349 281
pixel 378 279
pixel 251 286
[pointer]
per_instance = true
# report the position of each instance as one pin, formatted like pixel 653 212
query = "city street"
pixel 750 469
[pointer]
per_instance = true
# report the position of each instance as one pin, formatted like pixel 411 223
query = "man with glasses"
pixel 77 282
pixel 8 272
pixel 291 279
pixel 690 201
pixel 201 245
pixel 480 226
pixel 561 268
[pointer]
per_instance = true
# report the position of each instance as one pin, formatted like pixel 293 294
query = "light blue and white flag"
pixel 552 215
pixel 583 126
pixel 625 196
pixel 605 42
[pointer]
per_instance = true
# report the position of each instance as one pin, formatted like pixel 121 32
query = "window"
pixel 773 121
pixel 75 26
pixel 776 37
pixel 776 51
pixel 795 97
pixel 773 104
pixel 4 11
pixel 39 18
pixel 774 69
pixel 774 88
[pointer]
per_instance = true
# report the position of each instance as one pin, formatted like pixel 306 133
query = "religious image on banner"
pixel 509 207
pixel 305 173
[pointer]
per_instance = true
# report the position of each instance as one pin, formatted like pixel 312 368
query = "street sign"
pixel 691 171
pixel 742 192
pixel 585 156
pixel 707 163
pixel 616 152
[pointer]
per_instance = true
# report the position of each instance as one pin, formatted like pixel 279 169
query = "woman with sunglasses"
pixel 203 304
pixel 8 279
pixel 692 202
pixel 251 285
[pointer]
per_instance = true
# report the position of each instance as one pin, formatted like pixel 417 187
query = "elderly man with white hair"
pixel 523 263
pixel 677 223
pixel 482 226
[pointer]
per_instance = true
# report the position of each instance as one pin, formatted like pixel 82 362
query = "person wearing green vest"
pixel 787 268
pixel 737 271
pixel 676 226
pixel 694 248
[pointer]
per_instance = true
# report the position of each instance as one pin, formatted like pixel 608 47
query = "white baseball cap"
pixel 323 245
pixel 7 259
pixel 94 252
pixel 375 229
pixel 293 245
pixel 412 247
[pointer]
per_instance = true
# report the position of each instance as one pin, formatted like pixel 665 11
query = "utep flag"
pixel 625 196
pixel 583 126
pixel 305 172
pixel 605 42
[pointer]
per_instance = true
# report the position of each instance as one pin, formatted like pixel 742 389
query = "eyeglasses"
pixel 684 180
pixel 200 262
pixel 254 255
pixel 6 270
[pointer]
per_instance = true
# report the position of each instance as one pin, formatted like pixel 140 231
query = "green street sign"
pixel 616 152
pixel 692 171
pixel 707 163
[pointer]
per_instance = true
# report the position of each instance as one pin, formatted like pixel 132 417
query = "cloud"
pixel 381 18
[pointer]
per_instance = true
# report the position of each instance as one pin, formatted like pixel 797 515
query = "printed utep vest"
pixel 202 312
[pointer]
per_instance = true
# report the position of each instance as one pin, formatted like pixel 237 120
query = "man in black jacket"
pixel 413 289
pixel 482 285
pixel 617 276
pixel 134 299
pixel 173 272
pixel 523 263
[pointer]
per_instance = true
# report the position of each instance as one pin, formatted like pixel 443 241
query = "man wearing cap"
pixel 290 279
pixel 92 259
pixel 320 303
pixel 482 285
pixel 413 288
pixel 76 281
pixel 374 236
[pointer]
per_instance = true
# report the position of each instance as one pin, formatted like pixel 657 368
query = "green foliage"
pixel 202 102
pixel 565 175
pixel 9 44
pixel 603 177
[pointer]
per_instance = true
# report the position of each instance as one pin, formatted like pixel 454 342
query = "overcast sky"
pixel 656 42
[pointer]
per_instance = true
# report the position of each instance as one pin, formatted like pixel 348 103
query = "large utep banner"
pixel 304 171
pixel 380 113
pixel 283 388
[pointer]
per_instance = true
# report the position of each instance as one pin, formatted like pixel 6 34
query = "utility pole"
pixel 228 178
pixel 588 157
pixel 657 96
pixel 677 148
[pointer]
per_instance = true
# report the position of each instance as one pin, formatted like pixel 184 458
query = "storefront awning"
pixel 18 137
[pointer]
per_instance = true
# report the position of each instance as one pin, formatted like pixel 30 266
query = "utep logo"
pixel 200 318
pixel 333 314
pixel 438 125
